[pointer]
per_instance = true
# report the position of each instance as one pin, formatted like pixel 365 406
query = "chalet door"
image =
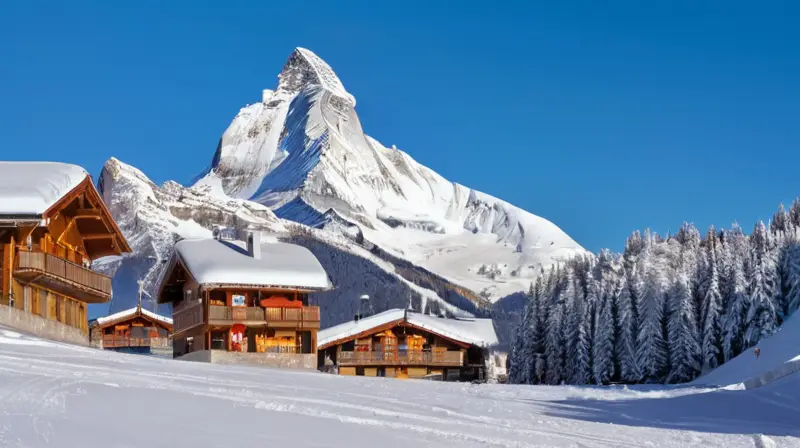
pixel 305 341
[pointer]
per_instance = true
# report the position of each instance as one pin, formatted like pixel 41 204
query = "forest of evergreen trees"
pixel 664 311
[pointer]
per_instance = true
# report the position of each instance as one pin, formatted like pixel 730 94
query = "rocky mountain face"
pixel 298 164
pixel 302 152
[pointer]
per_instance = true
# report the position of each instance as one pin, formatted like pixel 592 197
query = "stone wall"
pixel 39 326
pixel 283 360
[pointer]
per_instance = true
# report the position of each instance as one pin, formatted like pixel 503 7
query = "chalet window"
pixel 139 332
pixel 218 340
pixel 349 346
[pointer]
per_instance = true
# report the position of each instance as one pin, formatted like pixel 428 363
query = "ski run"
pixel 54 394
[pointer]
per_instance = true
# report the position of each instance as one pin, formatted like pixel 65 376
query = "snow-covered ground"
pixel 58 395
pixel 779 355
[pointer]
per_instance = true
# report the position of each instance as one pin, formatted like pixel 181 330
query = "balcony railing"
pixel 54 266
pixel 397 358
pixel 241 313
pixel 187 316
pixel 116 341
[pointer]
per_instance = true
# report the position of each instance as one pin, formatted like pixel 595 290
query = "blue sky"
pixel 602 118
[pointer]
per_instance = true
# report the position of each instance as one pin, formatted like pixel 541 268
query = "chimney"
pixel 254 244
pixel 364 307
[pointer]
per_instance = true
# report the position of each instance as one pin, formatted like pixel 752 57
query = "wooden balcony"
pixel 187 316
pixel 305 317
pixel 441 359
pixel 63 276
pixel 114 341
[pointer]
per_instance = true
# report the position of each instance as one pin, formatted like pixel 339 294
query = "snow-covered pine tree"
pixel 792 281
pixel 604 353
pixel 780 222
pixel 521 356
pixel 695 265
pixel 603 359
pixel 629 370
pixel 651 348
pixel 736 296
pixel 555 346
pixel 794 213
pixel 711 336
pixel 683 344
pixel 762 318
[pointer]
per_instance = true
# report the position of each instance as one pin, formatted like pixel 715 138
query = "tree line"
pixel 665 310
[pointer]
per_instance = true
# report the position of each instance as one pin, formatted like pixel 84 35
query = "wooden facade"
pixel 401 349
pixel 238 318
pixel 45 258
pixel 135 331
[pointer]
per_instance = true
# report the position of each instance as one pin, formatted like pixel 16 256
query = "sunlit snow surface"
pixel 59 395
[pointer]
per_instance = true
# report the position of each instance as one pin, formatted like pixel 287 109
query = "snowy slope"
pixel 302 152
pixel 58 395
pixel 780 355
pixel 154 218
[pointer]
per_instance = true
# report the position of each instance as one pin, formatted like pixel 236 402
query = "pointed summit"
pixel 304 68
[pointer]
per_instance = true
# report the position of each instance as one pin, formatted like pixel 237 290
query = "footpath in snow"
pixel 53 394
pixel 779 357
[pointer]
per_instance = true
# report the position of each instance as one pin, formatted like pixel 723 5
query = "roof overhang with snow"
pixel 53 194
pixel 133 313
pixel 214 263
pixel 463 332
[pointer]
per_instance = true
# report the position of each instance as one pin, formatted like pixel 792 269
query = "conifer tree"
pixel 683 346
pixel 711 345
pixel 738 300
pixel 762 318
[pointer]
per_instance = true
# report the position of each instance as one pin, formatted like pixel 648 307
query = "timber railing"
pixel 58 267
pixel 254 313
pixel 115 341
pixel 187 316
pixel 398 358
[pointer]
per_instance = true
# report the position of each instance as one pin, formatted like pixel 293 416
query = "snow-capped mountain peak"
pixel 302 152
pixel 305 68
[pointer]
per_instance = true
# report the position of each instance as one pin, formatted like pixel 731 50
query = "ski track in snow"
pixel 62 395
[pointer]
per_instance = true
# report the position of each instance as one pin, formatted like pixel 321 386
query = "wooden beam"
pixel 25 232
pixel 70 225
pixel 97 236
pixel 88 213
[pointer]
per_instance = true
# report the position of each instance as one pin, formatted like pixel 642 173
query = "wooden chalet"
pixel 403 344
pixel 53 223
pixel 236 302
pixel 136 330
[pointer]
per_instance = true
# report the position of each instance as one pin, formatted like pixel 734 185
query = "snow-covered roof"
pixel 470 331
pixel 226 262
pixel 132 312
pixel 31 188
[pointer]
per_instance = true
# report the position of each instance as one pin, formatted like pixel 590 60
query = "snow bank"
pixel 31 188
pixel 778 357
pixel 212 261
pixel 61 395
